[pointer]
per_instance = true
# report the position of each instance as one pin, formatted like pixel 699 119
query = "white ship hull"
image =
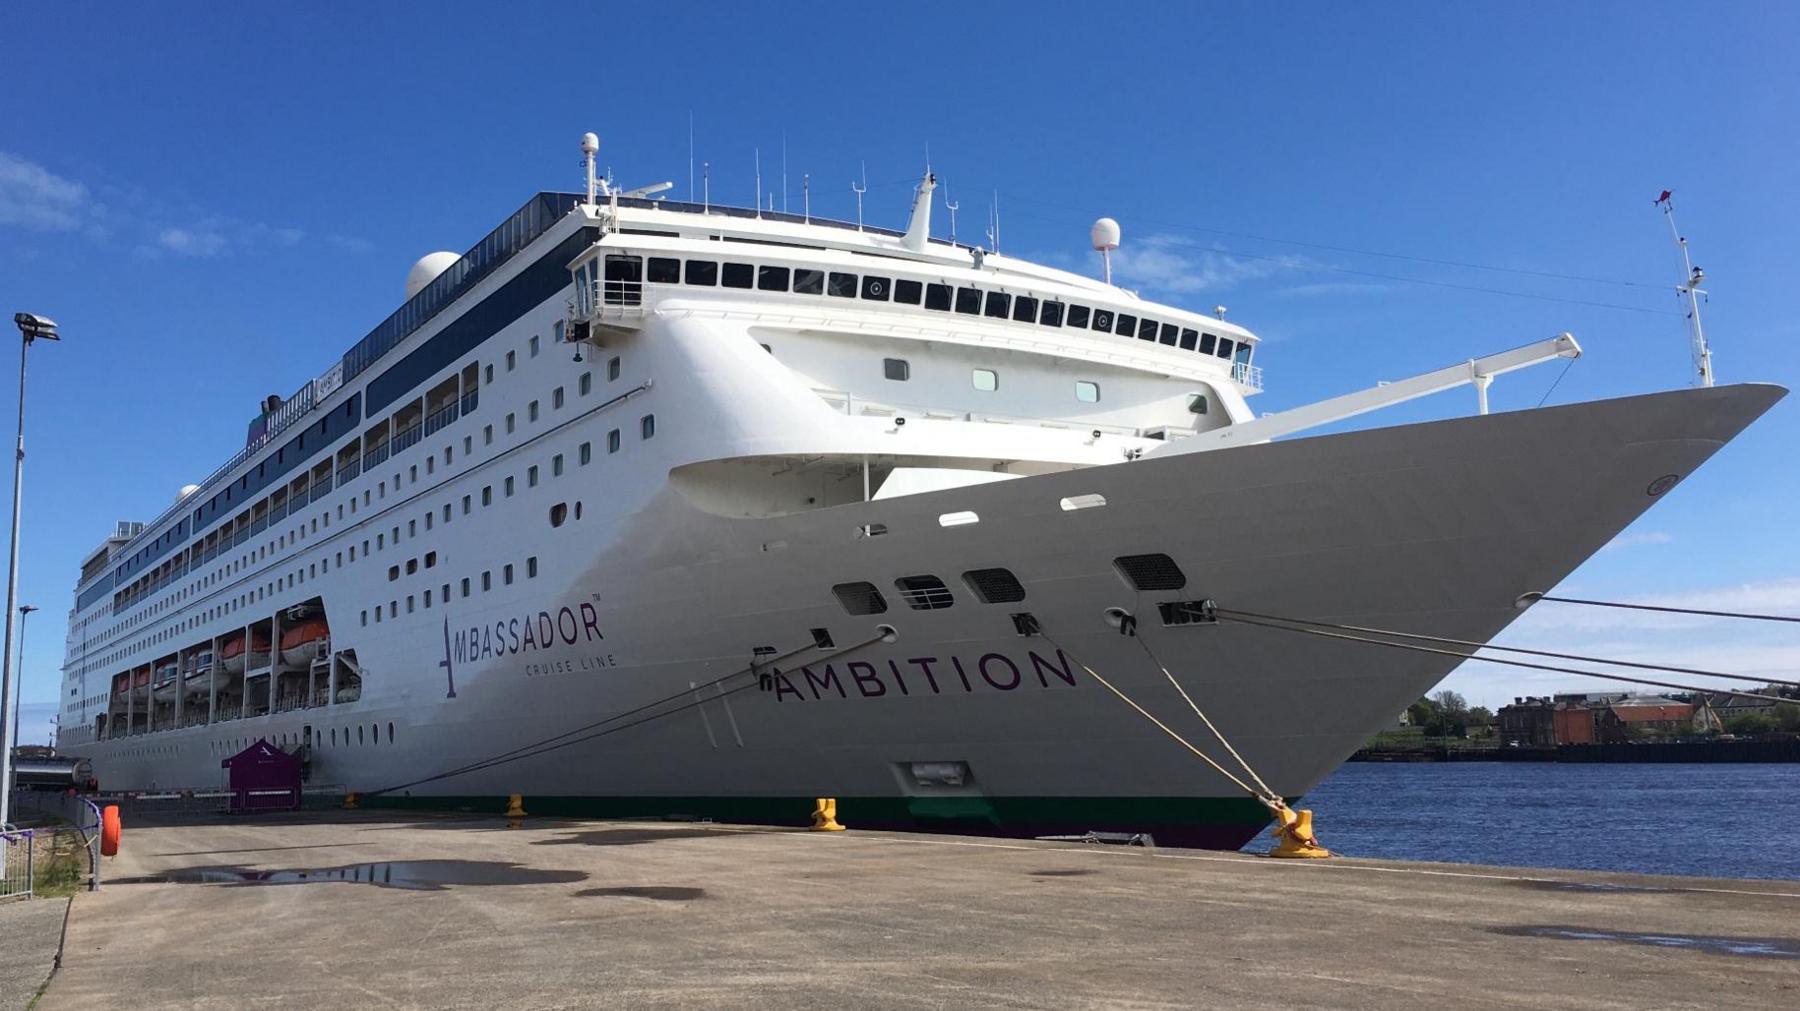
pixel 1432 528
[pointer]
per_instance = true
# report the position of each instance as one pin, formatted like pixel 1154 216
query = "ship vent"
pixel 1150 572
pixel 860 598
pixel 1188 612
pixel 924 593
pixel 995 586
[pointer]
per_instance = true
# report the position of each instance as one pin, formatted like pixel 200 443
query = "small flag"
pixel 1666 194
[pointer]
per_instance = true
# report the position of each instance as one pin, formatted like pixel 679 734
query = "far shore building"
pixel 1592 718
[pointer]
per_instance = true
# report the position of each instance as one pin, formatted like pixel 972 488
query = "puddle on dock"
pixel 1748 947
pixel 411 875
pixel 1589 886
pixel 1060 874
pixel 662 893
pixel 630 836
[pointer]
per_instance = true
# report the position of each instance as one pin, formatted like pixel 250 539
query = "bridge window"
pixel 663 270
pixel 771 278
pixel 704 272
pixel 841 285
pixel 968 301
pixel 908 292
pixel 1051 314
pixel 896 369
pixel 1168 333
pixel 1025 309
pixel 1188 339
pixel 1226 346
pixel 1086 392
pixel 1208 342
pixel 877 289
pixel 1126 325
pixel 1103 320
pixel 1078 316
pixel 809 282
pixel 986 380
pixel 624 280
pixel 999 305
pixel 937 296
pixel 738 275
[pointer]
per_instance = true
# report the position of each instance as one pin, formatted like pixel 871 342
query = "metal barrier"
pixel 30 854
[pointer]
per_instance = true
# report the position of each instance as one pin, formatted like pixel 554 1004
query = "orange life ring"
pixel 109 830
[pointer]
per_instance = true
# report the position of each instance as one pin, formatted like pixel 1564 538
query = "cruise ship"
pixel 649 508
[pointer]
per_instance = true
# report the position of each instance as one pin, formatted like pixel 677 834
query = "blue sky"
pixel 215 201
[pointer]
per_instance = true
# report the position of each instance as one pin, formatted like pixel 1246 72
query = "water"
pixel 1715 820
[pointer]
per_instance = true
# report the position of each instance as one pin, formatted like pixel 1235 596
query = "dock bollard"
pixel 515 806
pixel 350 801
pixel 110 830
pixel 825 815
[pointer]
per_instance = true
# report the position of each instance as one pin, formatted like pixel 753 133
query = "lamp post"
pixel 31 327
pixel 19 679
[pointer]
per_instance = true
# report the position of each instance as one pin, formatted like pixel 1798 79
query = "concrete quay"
pixel 375 909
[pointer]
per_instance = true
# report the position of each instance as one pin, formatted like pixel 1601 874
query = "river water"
pixel 1715 820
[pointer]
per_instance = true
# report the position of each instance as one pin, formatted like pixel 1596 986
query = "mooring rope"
pixel 1535 596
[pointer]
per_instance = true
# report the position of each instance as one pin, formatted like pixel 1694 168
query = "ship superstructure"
pixel 841 511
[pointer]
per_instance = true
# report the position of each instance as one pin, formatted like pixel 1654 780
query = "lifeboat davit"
pixel 305 642
pixel 201 674
pixel 163 689
pixel 232 657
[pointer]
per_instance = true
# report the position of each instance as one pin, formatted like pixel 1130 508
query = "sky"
pixel 215 201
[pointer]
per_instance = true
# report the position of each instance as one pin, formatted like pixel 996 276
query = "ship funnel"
pixel 918 230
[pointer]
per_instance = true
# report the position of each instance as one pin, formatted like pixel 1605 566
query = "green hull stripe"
pixel 989 813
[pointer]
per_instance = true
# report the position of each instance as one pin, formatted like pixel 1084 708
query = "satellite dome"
pixel 1105 234
pixel 427 269
pixel 186 490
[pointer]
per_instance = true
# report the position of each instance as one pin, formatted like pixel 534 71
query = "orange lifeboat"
pixel 231 652
pixel 305 642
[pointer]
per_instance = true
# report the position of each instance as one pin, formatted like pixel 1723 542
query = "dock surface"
pixel 375 909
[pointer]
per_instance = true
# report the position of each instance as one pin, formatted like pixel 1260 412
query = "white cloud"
pixel 37 199
pixel 1732 646
pixel 1334 288
pixel 191 242
pixel 1638 539
pixel 350 243
pixel 1180 266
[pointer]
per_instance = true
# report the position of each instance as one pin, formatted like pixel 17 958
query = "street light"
pixel 19 681
pixel 31 327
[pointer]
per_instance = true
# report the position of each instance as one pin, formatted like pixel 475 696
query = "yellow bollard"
pixel 825 815
pixel 350 801
pixel 515 806
pixel 1294 837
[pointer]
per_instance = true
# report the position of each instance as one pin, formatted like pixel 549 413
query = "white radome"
pixel 186 490
pixel 1105 234
pixel 427 269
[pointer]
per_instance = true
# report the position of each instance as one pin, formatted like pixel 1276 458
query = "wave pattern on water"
pixel 1730 821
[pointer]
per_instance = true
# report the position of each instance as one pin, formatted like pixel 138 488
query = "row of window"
pixel 413 601
pixel 986 380
pixel 625 273
pixel 1144 573
pixel 646 428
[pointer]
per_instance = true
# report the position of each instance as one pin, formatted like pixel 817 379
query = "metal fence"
pixel 65 825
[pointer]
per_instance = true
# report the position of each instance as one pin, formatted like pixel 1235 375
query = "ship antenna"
pixel 1690 287
pixel 951 206
pixel 706 187
pixel 859 191
pixel 590 146
pixel 759 195
pixel 806 195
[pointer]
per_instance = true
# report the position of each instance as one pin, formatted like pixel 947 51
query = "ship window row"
pixel 260 553
pixel 624 274
pixel 412 602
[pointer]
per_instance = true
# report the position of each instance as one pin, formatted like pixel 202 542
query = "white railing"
pixel 1247 375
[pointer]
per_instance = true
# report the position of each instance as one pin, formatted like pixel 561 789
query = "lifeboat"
pixel 163 688
pixel 304 643
pixel 200 675
pixel 231 653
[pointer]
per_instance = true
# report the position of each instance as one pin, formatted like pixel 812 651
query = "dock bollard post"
pixel 515 806
pixel 350 801
pixel 824 818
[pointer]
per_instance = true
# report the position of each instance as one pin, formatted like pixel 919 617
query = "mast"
pixel 1690 288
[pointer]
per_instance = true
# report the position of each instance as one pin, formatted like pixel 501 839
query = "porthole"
pixel 558 513
pixel 986 380
pixel 1087 392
